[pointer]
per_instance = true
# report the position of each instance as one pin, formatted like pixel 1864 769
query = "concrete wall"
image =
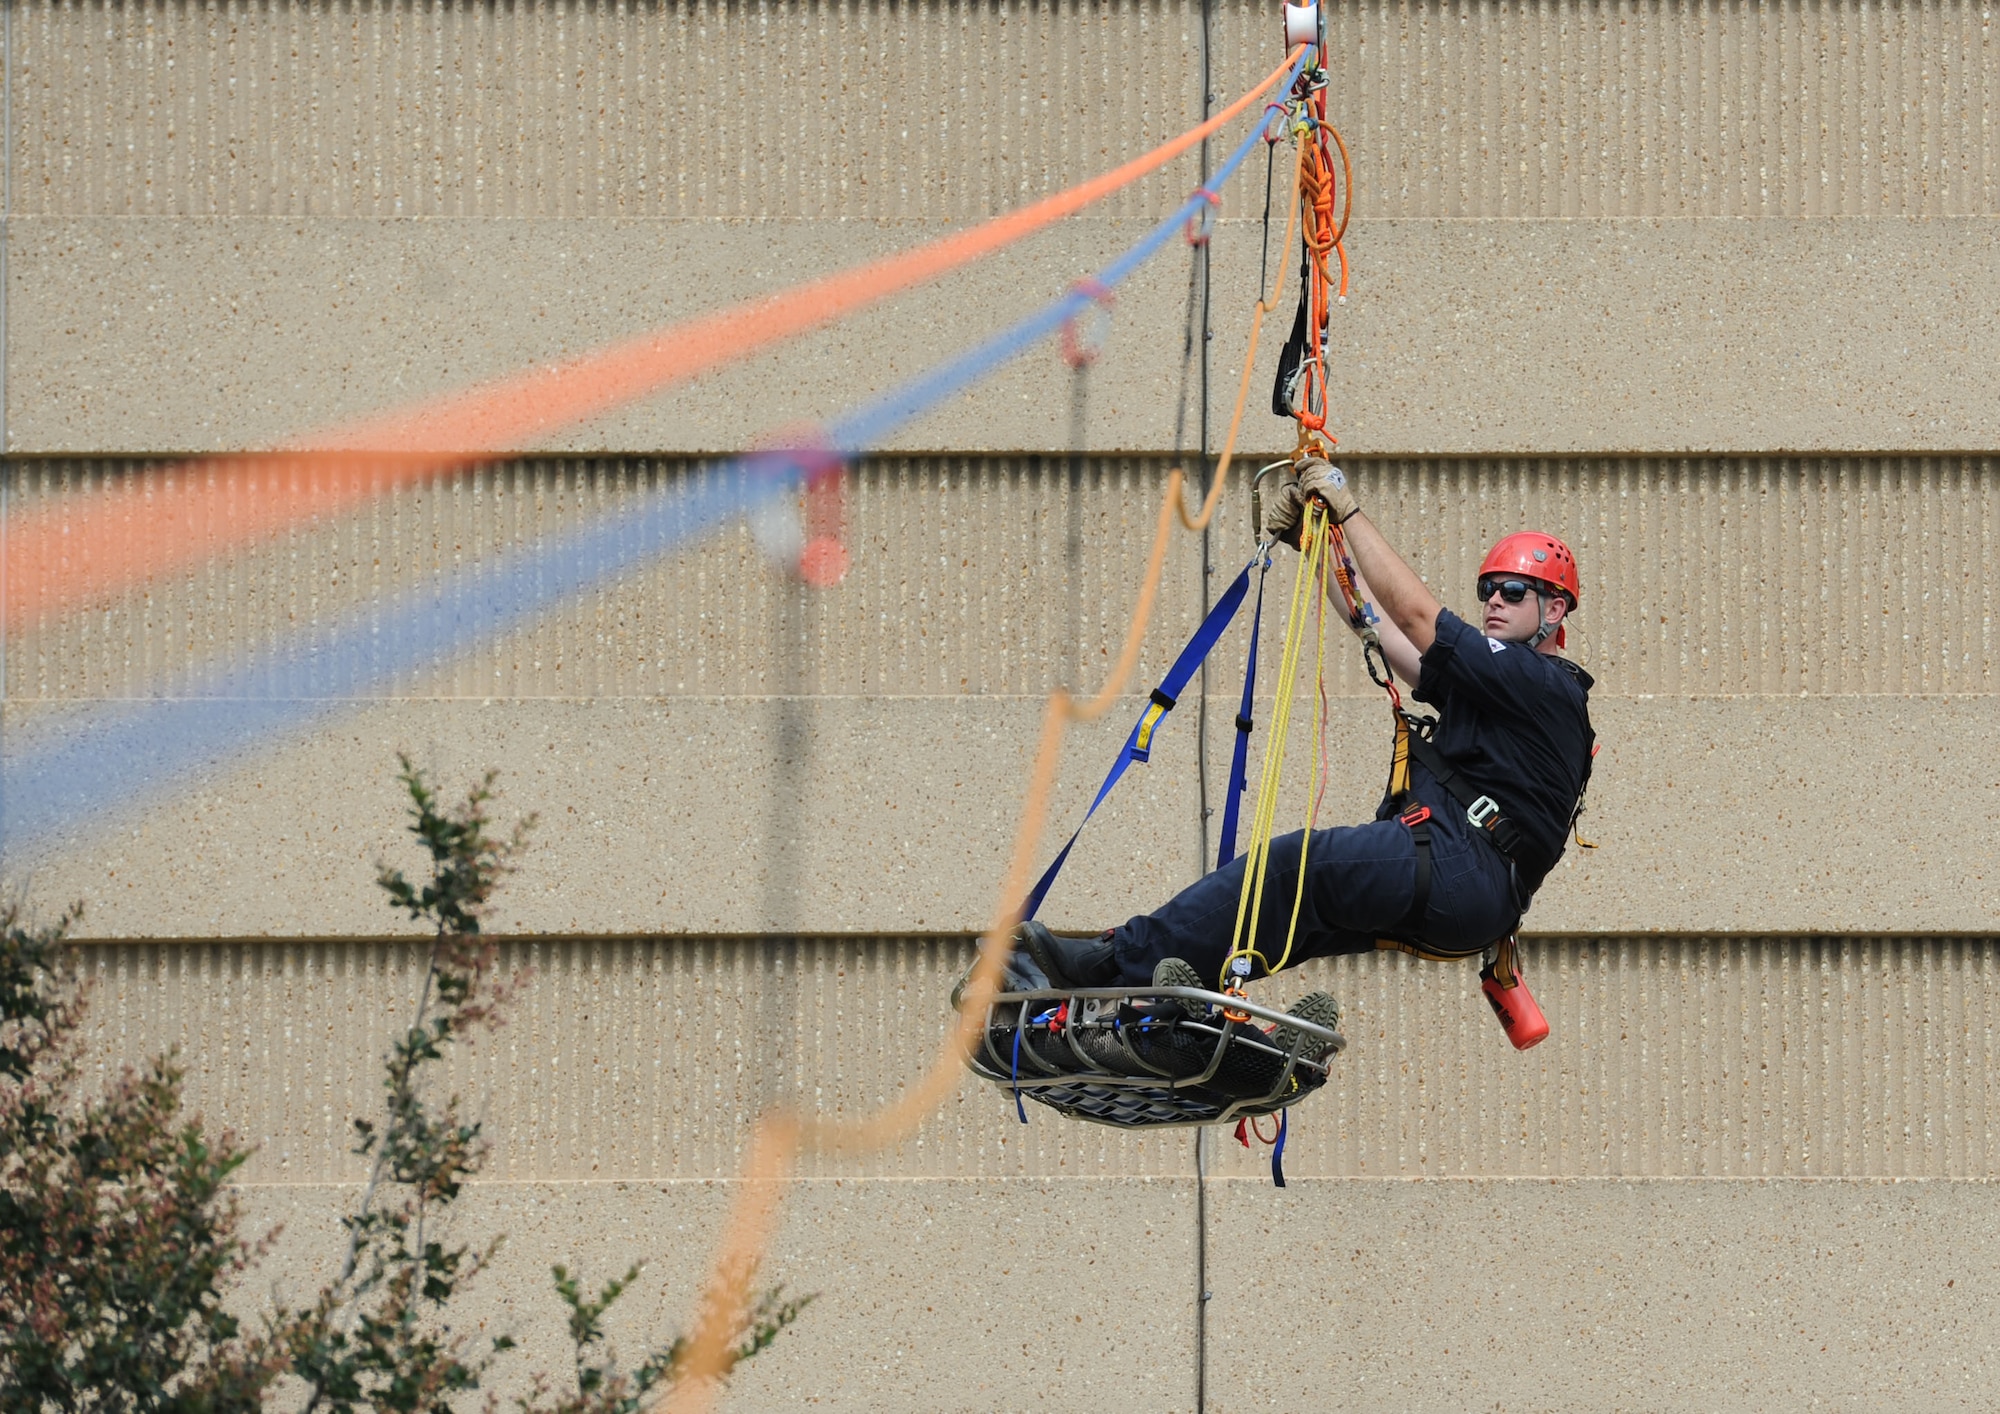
pixel 1709 290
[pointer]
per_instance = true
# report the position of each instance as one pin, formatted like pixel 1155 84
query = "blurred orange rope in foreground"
pixel 782 1134
pixel 68 554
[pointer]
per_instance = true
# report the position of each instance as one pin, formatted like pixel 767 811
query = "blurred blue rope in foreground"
pixel 69 772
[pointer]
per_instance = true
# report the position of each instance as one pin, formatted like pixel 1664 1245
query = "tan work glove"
pixel 1284 507
pixel 1321 478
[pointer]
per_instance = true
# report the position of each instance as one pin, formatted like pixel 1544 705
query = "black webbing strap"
pixel 1417 820
pixel 1505 835
pixel 1501 832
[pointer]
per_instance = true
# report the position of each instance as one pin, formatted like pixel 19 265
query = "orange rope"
pixel 1346 191
pixel 76 550
pixel 780 1137
pixel 1264 306
pixel 1323 237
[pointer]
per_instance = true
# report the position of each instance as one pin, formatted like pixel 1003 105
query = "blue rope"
pixel 1021 1024
pixel 112 757
pixel 1239 757
pixel 868 425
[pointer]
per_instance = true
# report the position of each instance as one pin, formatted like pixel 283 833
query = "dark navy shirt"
pixel 1516 724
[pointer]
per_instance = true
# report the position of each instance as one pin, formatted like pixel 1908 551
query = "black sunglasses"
pixel 1512 590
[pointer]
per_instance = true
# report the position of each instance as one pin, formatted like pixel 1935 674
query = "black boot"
pixel 1066 961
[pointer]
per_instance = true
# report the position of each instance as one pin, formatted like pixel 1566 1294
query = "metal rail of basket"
pixel 1147 1096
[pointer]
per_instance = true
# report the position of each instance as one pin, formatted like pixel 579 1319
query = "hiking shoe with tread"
pixel 1317 1007
pixel 1178 972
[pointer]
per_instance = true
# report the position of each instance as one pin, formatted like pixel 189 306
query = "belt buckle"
pixel 1415 816
pixel 1482 811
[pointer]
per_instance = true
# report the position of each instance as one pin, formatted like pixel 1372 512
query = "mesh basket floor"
pixel 1141 1061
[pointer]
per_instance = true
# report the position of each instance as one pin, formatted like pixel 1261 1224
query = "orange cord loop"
pixel 1201 225
pixel 1077 350
pixel 1322 235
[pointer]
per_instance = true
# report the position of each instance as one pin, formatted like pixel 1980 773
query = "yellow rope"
pixel 1313 783
pixel 1256 868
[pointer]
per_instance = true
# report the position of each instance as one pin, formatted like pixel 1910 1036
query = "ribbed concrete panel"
pixel 1800 108
pixel 1473 338
pixel 869 111
pixel 1683 1057
pixel 641 1061
pixel 646 1060
pixel 1589 1295
pixel 1712 576
pixel 944 112
pixel 962 584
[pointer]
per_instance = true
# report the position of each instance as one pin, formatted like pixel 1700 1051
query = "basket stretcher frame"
pixel 1169 1110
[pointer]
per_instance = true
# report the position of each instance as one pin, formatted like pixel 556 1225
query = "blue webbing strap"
pixel 1139 746
pixel 1278 1151
pixel 1239 764
pixel 1020 1023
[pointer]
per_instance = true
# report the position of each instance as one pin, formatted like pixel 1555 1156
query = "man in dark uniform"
pixel 1493 793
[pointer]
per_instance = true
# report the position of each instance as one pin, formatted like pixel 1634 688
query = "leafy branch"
pixel 120 1227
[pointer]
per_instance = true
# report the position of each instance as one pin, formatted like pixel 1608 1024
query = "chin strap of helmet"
pixel 1546 628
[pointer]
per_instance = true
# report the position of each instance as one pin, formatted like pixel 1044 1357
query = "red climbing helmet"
pixel 1536 555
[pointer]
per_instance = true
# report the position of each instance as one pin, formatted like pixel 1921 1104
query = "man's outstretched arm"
pixel 1403 598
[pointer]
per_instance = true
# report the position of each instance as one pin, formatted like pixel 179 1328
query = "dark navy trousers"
pixel 1360 884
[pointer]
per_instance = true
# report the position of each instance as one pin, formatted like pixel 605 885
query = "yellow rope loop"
pixel 1257 857
pixel 1318 737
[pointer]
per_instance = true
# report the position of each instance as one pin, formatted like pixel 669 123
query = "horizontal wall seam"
pixel 1167 1181
pixel 722 455
pixel 741 699
pixel 1527 936
pixel 1358 221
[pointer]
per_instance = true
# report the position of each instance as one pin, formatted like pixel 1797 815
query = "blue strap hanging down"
pixel 1239 763
pixel 1139 746
pixel 1278 1151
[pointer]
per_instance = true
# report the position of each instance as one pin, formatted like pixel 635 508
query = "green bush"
pixel 120 1235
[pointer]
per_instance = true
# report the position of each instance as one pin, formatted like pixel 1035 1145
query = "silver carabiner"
pixel 1257 499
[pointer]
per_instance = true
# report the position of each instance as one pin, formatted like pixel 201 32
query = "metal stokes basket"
pixel 1145 1059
